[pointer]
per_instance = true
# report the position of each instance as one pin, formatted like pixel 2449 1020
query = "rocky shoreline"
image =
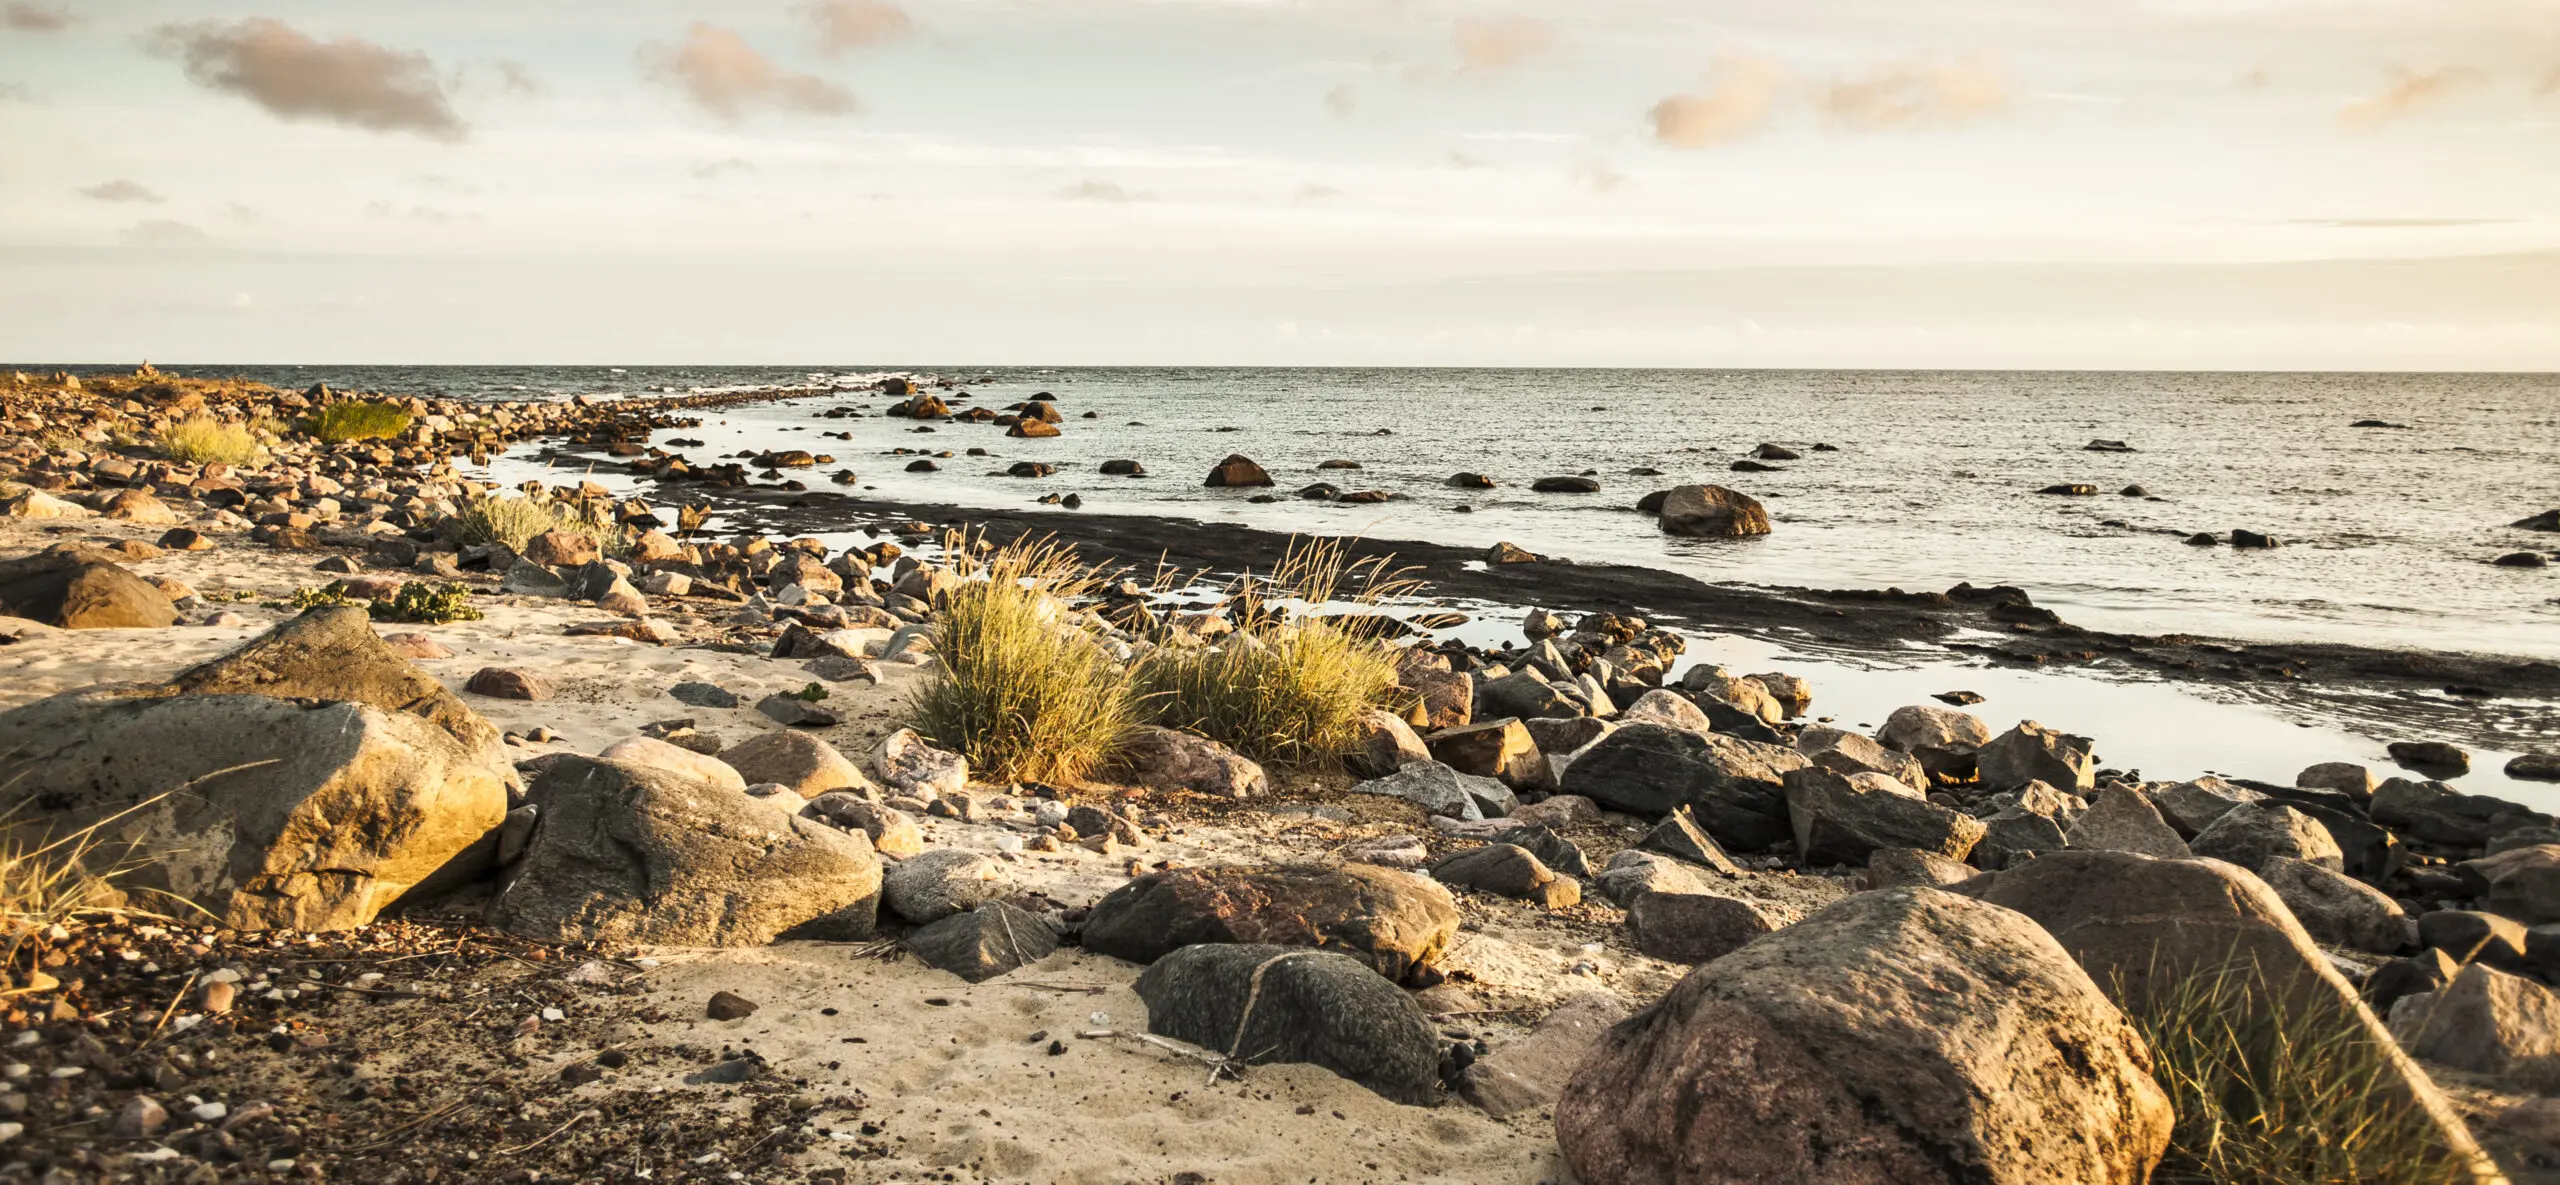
pixel 622 862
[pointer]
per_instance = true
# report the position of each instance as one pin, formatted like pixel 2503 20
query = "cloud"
pixel 2254 78
pixel 11 92
pixel 1598 177
pixel 1916 93
pixel 119 191
pixel 1493 46
pixel 428 215
pixel 515 79
pixel 712 170
pixel 1462 161
pixel 725 76
pixel 1096 191
pixel 1342 100
pixel 296 77
pixel 1742 94
pixel 2409 92
pixel 847 25
pixel 36 18
pixel 2398 223
pixel 2550 85
pixel 1315 192
pixel 161 232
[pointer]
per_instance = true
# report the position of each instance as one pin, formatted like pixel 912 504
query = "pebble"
pixel 209 1112
pixel 729 1006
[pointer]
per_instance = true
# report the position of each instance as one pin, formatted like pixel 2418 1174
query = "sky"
pixel 2064 184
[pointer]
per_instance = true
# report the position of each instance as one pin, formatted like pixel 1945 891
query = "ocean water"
pixel 2387 532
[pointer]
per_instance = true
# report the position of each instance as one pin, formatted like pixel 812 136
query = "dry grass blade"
pixel 1024 687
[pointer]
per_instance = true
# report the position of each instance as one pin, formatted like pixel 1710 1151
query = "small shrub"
pixel 207 441
pixel 339 423
pixel 2272 1091
pixel 515 521
pixel 1024 689
pixel 808 695
pixel 321 596
pixel 420 604
pixel 1276 690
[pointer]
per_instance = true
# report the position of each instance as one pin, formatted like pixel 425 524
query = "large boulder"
pixel 906 763
pixel 652 753
pixel 2146 929
pixel 81 588
pixel 2033 753
pixel 1384 744
pixel 1905 1035
pixel 1439 790
pixel 1499 749
pixel 2486 1021
pixel 1524 696
pixel 1633 873
pixel 2251 834
pixel 268 813
pixel 1237 471
pixel 1532 1072
pixel 2522 883
pixel 1736 788
pixel 1508 870
pixel 1942 740
pixel 627 855
pixel 1704 511
pixel 2440 814
pixel 934 885
pixel 985 942
pixel 1261 1003
pixel 1667 708
pixel 1395 922
pixel 808 766
pixel 2120 819
pixel 1839 819
pixel 1696 927
pixel 1844 752
pixel 332 653
pixel 2192 806
pixel 2337 909
pixel 1167 759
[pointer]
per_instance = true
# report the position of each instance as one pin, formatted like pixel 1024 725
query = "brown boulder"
pixel 1704 511
pixel 1237 471
pixel 81 588
pixel 332 653
pixel 1394 921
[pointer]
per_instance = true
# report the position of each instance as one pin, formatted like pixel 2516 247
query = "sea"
pixel 1929 478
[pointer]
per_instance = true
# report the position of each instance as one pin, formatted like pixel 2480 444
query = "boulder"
pixel 2427 971
pixel 1395 922
pixel 2473 936
pixel 988 941
pixel 1679 837
pixel 332 653
pixel 1262 1003
pixel 1704 511
pixel 1438 790
pixel 1531 1072
pixel 2430 757
pixel 1383 745
pixel 137 506
pixel 2190 807
pixel 2016 834
pixel 1448 698
pixel 1553 850
pixel 268 813
pixel 508 683
pixel 2337 909
pixel 2033 753
pixel 1844 752
pixel 2521 883
pixel 1508 870
pixel 2122 820
pixel 1694 927
pixel 1499 749
pixel 2345 777
pixel 1943 740
pixel 1902 1035
pixel 809 766
pixel 1735 787
pixel 2486 1021
pixel 2141 926
pixel 1565 485
pixel 1236 472
pixel 2440 814
pixel 1894 868
pixel 1167 759
pixel 1524 696
pixel 1633 873
pixel 625 855
pixel 1842 820
pixel 893 832
pixel 81 588
pixel 906 764
pixel 934 885
pixel 653 753
pixel 2251 834
pixel 1669 709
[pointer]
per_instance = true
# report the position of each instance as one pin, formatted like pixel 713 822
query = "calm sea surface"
pixel 2387 532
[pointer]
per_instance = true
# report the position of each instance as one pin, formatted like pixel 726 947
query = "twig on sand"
pixel 1220 1065
pixel 1087 989
pixel 172 1009
pixel 554 1133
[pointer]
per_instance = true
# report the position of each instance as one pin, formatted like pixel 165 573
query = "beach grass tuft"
pixel 2271 1091
pixel 1286 686
pixel 515 521
pixel 1024 687
pixel 204 440
pixel 338 423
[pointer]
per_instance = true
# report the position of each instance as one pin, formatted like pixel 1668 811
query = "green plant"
pixel 421 604
pixel 1278 690
pixel 338 423
pixel 1024 688
pixel 515 521
pixel 2279 1088
pixel 807 695
pixel 204 440
pixel 321 596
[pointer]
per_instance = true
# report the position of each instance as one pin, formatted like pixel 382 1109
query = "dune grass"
pixel 1024 687
pixel 515 521
pixel 51 880
pixel 338 423
pixel 1279 690
pixel 2279 1092
pixel 204 440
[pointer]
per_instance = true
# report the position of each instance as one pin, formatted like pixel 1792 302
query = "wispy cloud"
pixel 726 77
pixel 1342 101
pixel 1916 93
pixel 36 18
pixel 11 92
pixel 848 25
pixel 1460 160
pixel 518 80
pixel 1097 190
pixel 2255 78
pixel 2410 91
pixel 427 215
pixel 2550 83
pixel 1740 97
pixel 119 190
pixel 1598 177
pixel 2397 223
pixel 161 232
pixel 297 77
pixel 1316 191
pixel 1491 46
pixel 714 170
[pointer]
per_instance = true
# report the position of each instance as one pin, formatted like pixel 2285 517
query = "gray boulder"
pixel 652 753
pixel 893 832
pixel 2437 813
pixel 1264 1004
pixel 1439 790
pixel 1840 820
pixel 1894 868
pixel 2121 819
pixel 905 763
pixel 1524 696
pixel 1942 740
pixel 1844 752
pixel 1902 1035
pixel 2016 834
pixel 1667 708
pixel 934 885
pixel 1695 927
pixel 809 766
pixel 1167 759
pixel 2339 910
pixel 2251 834
pixel 1632 874
pixel 1705 511
pixel 2521 883
pixel 1508 870
pixel 988 941
pixel 1680 837
pixel 1532 1072
pixel 1385 744
pixel 78 587
pixel 2488 1022
pixel 1735 787
pixel 2033 753
pixel 2190 807
pixel 633 855
pixel 2345 777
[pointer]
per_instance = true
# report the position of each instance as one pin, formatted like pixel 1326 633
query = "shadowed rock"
pixel 1262 1003
pixel 1393 921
